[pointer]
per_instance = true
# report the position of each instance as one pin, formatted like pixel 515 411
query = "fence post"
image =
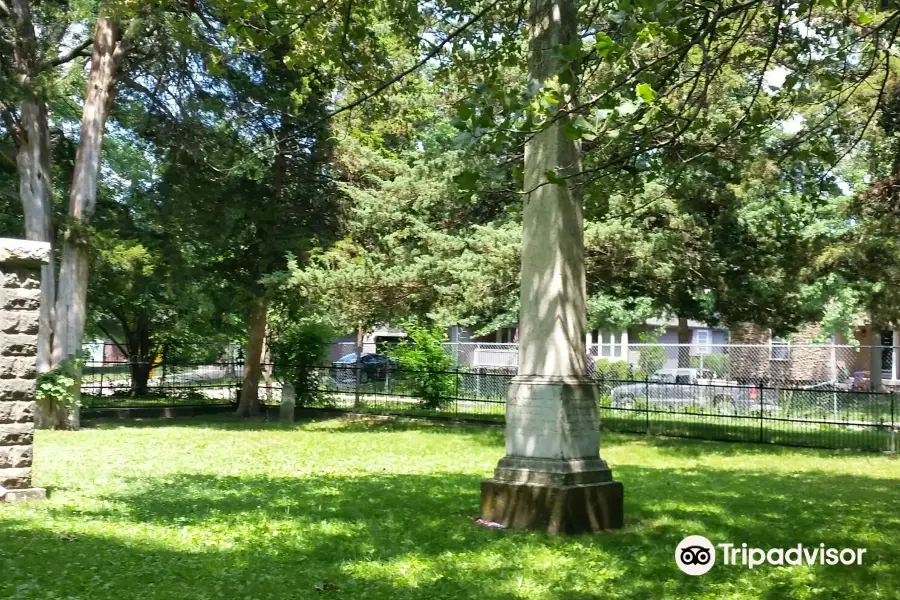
pixel 762 393
pixel 893 441
pixel 646 406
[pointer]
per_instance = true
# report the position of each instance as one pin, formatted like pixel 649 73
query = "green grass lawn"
pixel 348 509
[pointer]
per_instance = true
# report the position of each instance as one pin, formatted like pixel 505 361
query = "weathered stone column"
pixel 552 477
pixel 20 304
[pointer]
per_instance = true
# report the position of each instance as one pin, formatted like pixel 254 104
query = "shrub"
pixel 423 356
pixel 57 386
pixel 612 369
pixel 298 347
pixel 651 359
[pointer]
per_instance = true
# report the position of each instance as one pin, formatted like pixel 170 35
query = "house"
pixel 498 348
pixel 805 357
pixel 706 340
pixel 376 341
pixel 103 352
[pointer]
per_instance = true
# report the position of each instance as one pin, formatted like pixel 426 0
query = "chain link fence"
pixel 777 365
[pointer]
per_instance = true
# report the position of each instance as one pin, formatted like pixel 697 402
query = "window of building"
pixel 609 344
pixel 702 343
pixel 779 349
pixel 506 335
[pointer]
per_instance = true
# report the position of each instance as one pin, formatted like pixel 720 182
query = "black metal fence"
pixel 120 384
pixel 814 416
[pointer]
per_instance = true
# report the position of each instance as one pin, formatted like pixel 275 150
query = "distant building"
pixel 374 342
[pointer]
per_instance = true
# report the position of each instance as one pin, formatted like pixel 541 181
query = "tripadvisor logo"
pixel 696 555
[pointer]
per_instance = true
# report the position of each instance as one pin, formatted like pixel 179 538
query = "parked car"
pixel 373 367
pixel 680 388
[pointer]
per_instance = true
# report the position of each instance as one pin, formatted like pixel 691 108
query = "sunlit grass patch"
pixel 359 509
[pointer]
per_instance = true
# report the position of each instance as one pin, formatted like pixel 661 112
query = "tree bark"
pixel 874 354
pixel 266 367
pixel 140 357
pixel 248 406
pixel 107 53
pixel 32 136
pixel 357 379
pixel 684 337
pixel 140 377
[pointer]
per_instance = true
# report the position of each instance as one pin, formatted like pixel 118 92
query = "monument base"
pixel 552 477
pixel 25 495
pixel 557 510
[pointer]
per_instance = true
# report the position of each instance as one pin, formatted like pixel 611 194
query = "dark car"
pixel 373 367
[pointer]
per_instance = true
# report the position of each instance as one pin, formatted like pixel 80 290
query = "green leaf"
pixel 552 97
pixel 627 108
pixel 458 123
pixel 604 45
pixel 555 179
pixel 864 18
pixel 570 52
pixel 464 111
pixel 571 132
pixel 467 180
pixel 587 129
pixel 646 93
pixel 829 80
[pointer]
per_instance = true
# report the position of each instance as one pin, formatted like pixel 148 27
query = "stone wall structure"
pixel 20 303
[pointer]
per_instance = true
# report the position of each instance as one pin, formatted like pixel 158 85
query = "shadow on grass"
pixel 411 536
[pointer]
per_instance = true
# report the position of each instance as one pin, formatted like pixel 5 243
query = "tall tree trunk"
pixel 874 354
pixel 35 185
pixel 357 379
pixel 35 190
pixel 684 337
pixel 266 367
pixel 140 377
pixel 248 406
pixel 140 354
pixel 73 273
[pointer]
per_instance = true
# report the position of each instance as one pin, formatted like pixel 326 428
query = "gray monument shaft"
pixel 552 476
pixel 552 295
pixel 20 304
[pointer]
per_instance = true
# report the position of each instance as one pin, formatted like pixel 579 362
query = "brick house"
pixel 805 357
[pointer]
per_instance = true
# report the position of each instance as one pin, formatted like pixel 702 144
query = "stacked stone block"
pixel 20 303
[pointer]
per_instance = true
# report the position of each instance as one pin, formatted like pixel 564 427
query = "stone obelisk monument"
pixel 552 477
pixel 20 305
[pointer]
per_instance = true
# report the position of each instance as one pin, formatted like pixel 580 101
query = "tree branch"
pixel 11 122
pixel 406 72
pixel 71 54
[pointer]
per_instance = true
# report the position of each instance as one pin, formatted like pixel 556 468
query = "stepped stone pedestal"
pixel 20 303
pixel 552 477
